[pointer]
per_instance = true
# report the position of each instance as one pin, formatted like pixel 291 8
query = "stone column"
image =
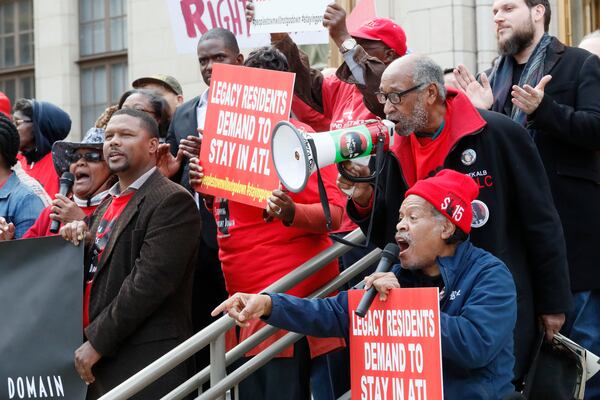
pixel 56 35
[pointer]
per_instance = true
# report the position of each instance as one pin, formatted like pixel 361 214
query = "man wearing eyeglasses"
pixel 516 220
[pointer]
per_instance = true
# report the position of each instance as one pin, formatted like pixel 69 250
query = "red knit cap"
pixel 451 193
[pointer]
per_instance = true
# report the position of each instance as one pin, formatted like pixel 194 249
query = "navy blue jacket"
pixel 478 314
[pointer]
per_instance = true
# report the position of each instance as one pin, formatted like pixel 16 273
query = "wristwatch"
pixel 347 45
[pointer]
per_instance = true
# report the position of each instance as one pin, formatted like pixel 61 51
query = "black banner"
pixel 41 290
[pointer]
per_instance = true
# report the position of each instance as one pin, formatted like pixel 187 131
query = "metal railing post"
pixel 217 361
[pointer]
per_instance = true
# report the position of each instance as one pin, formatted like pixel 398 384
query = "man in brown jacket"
pixel 142 243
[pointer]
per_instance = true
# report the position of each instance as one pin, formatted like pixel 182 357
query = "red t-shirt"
pixel 43 171
pixel 41 226
pixel 428 154
pixel 109 219
pixel 255 253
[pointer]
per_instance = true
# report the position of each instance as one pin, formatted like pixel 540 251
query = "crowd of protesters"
pixel 491 189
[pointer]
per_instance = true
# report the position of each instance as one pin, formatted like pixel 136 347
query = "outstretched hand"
pixel 480 94
pixel 528 98
pixel 243 307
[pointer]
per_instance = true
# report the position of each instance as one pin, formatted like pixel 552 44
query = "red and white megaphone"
pixel 293 154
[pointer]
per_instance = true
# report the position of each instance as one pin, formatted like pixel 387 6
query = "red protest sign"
pixel 395 350
pixel 244 104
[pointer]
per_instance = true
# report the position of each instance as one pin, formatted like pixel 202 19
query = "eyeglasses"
pixel 18 122
pixel 396 97
pixel 92 156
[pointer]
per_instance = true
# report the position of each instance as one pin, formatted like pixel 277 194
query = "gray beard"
pixel 417 121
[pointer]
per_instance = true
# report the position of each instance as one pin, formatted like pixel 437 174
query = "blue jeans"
pixel 583 327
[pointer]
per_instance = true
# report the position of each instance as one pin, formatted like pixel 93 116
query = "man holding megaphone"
pixel 516 219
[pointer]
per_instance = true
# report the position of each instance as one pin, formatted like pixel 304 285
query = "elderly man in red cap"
pixel 435 251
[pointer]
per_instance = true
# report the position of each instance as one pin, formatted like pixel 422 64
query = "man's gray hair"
pixel 428 71
pixel 458 236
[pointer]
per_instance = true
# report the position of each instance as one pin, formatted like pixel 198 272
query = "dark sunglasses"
pixel 92 156
pixel 395 97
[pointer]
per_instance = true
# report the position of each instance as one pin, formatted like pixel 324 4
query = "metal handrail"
pixel 238 351
pixel 266 355
pixel 185 350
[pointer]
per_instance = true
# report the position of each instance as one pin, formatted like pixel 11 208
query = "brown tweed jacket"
pixel 141 296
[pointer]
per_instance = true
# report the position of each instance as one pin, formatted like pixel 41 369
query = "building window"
pixel 103 56
pixel 16 49
pixel 103 26
pixel 101 85
pixel 17 86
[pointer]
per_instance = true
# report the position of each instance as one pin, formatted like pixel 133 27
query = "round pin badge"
pixel 468 157
pixel 481 214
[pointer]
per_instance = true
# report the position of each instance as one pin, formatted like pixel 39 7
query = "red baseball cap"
pixel 451 193
pixel 5 106
pixel 383 30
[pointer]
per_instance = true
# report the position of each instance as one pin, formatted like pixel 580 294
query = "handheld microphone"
pixel 388 257
pixel 66 183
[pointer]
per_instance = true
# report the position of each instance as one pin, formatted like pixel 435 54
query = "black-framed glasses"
pixel 19 121
pixel 396 97
pixel 92 156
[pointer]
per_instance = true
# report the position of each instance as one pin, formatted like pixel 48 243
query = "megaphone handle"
pixel 322 191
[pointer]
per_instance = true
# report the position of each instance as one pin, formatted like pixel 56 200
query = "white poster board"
pixel 190 19
pixel 273 16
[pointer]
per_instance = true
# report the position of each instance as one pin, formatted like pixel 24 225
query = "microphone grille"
pixel 67 177
pixel 391 250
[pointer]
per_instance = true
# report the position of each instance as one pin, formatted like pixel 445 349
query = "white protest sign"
pixel 288 16
pixel 190 19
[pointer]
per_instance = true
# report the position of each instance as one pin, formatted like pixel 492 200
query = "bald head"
pixel 415 93
pixel 414 69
